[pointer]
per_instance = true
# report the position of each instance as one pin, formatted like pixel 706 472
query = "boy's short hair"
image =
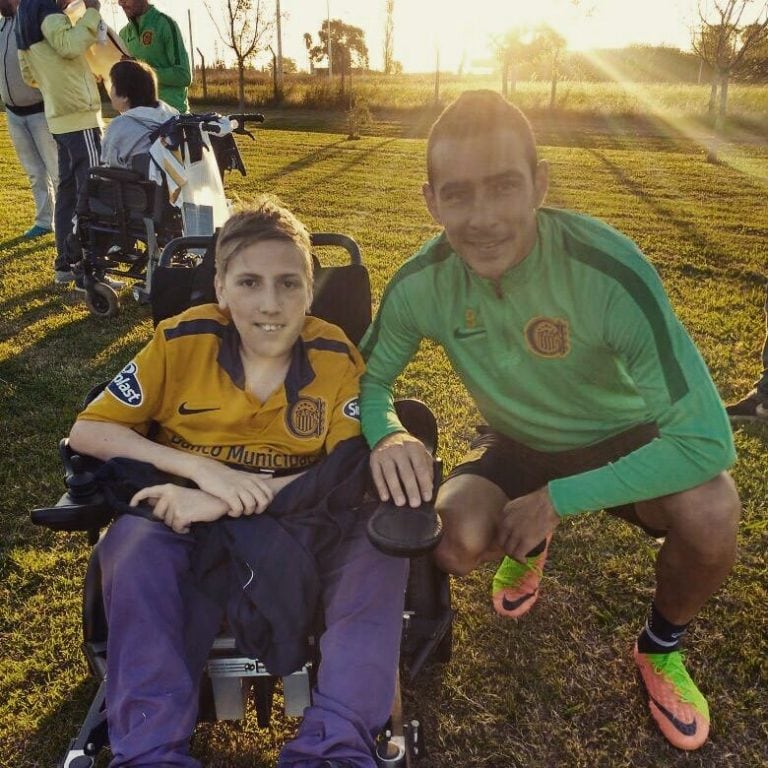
pixel 267 219
pixel 481 112
pixel 135 81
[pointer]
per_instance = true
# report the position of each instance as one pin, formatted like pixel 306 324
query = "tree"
pixel 754 68
pixel 290 67
pixel 510 49
pixel 725 39
pixel 347 47
pixel 389 37
pixel 248 27
pixel 549 45
pixel 308 46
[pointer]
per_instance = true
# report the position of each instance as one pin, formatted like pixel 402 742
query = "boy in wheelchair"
pixel 222 388
pixel 134 96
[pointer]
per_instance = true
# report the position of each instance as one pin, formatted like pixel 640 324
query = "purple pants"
pixel 161 628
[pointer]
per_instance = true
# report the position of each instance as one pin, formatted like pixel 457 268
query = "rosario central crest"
pixel 306 417
pixel 548 336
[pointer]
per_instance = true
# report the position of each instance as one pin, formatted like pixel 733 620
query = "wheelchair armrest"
pixel 82 507
pixel 70 515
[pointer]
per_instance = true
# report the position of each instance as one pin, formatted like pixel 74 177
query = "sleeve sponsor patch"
pixel 352 409
pixel 126 387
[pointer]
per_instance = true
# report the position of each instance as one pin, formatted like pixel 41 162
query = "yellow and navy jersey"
pixel 189 381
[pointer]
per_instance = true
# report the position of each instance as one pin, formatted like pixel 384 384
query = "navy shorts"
pixel 519 470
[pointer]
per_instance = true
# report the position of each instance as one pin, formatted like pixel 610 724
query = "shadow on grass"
pixel 326 153
pixel 691 233
pixel 44 297
pixel 318 156
pixel 16 251
pixel 48 743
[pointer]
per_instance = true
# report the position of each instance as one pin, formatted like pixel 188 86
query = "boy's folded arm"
pixel 243 492
pixel 178 507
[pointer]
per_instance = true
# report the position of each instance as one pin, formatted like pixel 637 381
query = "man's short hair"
pixel 267 219
pixel 135 81
pixel 477 113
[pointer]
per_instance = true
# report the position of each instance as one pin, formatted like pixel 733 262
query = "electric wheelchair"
pixel 233 681
pixel 125 217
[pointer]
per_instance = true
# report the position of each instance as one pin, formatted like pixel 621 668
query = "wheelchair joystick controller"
pixel 81 484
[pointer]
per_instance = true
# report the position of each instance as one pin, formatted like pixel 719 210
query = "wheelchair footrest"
pixel 228 674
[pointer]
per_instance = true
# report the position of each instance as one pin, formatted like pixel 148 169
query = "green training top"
pixel 577 343
pixel 156 39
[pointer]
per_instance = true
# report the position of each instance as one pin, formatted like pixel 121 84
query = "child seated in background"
pixel 251 381
pixel 134 96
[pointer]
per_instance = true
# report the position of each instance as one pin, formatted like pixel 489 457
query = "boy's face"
pixel 266 293
pixel 119 103
pixel 485 194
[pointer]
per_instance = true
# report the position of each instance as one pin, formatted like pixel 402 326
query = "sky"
pixel 459 30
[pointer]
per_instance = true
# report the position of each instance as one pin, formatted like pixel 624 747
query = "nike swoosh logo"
pixel 185 411
pixel 511 605
pixel 466 333
pixel 687 729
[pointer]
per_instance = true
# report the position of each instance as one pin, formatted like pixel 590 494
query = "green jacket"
pixel 156 39
pixel 56 64
pixel 575 344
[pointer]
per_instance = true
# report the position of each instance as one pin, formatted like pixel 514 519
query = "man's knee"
pixel 706 519
pixel 466 540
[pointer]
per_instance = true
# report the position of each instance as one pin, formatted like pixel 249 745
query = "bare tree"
pixel 248 28
pixel 729 30
pixel 389 37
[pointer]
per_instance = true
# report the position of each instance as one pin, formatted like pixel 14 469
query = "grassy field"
pixel 556 689
pixel 416 91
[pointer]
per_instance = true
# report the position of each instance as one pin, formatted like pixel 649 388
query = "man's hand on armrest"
pixel 402 469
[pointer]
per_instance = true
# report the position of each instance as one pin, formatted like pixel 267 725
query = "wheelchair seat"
pixel 342 294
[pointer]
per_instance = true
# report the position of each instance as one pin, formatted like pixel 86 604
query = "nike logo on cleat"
pixel 687 729
pixel 185 411
pixel 510 605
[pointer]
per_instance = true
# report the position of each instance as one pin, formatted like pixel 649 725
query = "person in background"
pixel 134 96
pixel 52 57
pixel 27 127
pixel 154 37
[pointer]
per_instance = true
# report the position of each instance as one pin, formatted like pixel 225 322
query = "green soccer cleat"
pixel 676 704
pixel 516 586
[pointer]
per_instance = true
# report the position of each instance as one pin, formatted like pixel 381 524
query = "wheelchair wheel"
pixel 102 300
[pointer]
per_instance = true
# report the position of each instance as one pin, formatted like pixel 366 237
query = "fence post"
pixel 202 72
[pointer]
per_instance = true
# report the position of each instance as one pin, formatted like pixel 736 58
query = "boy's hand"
pixel 179 507
pixel 402 469
pixel 244 493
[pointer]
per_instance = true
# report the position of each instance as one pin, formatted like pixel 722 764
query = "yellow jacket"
pixel 56 64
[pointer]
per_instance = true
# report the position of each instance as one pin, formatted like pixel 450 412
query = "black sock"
pixel 660 635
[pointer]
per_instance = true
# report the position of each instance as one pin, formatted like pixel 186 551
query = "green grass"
pixel 413 91
pixel 556 689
